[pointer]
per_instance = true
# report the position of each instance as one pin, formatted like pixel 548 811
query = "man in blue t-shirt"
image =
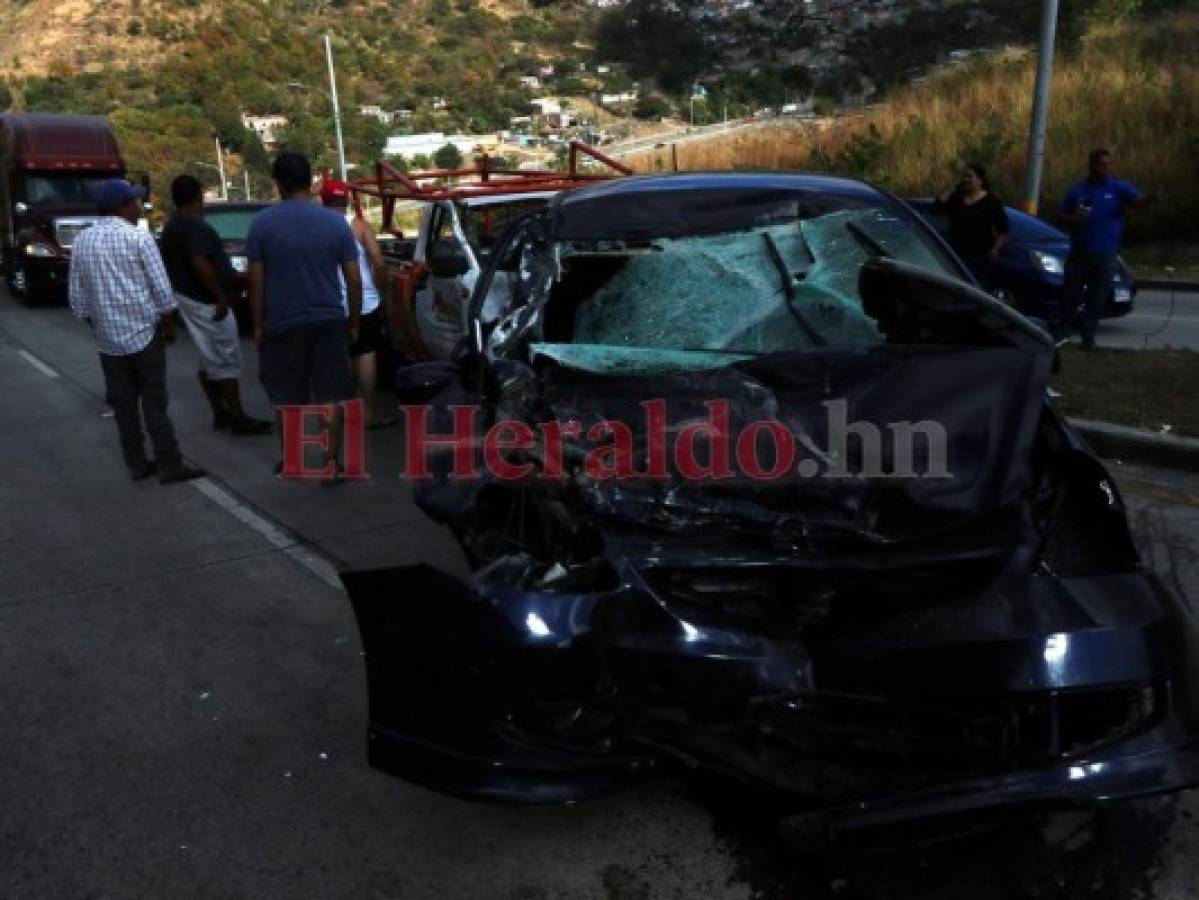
pixel 296 250
pixel 1095 208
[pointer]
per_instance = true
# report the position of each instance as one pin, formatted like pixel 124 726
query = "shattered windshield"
pixel 782 277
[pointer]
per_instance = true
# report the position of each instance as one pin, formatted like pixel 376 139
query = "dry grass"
pixel 1133 88
pixel 1131 387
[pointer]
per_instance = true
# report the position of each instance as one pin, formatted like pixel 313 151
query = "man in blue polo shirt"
pixel 297 249
pixel 1095 208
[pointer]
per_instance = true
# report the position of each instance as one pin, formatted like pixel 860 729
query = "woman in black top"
pixel 978 225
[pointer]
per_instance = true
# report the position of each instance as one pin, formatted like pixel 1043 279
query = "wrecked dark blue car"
pixel 921 599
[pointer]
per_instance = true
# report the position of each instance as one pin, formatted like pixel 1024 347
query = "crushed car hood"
pixel 985 402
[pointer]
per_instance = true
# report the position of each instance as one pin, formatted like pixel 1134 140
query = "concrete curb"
pixel 1167 284
pixel 1138 445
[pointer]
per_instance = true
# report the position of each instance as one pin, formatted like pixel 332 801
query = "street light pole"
pixel 246 174
pixel 1040 108
pixel 220 167
pixel 341 149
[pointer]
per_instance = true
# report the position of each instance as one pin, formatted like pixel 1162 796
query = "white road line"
pixel 37 364
pixel 274 535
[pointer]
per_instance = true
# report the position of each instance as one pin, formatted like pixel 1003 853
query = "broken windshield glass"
pixel 776 283
pixel 791 286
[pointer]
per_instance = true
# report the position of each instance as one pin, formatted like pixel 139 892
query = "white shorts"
pixel 217 343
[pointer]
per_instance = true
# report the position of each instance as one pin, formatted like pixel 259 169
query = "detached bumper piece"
pixel 500 693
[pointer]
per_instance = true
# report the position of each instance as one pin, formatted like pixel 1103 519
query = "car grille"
pixel 974 736
pixel 66 230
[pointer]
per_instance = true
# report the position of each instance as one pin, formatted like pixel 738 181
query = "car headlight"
pixel 240 264
pixel 1054 265
pixel 40 250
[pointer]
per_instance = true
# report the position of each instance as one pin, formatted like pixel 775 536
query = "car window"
pixel 485 225
pixel 231 225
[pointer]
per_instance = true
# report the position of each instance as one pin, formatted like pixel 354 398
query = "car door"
pixel 450 270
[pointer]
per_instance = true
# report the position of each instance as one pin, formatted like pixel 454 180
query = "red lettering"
pixel 655 439
pixel 717 431
pixel 747 450
pixel 551 437
pixel 418 441
pixel 295 439
pixel 354 426
pixel 497 441
pixel 614 460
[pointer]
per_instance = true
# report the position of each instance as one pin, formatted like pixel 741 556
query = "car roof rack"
pixel 391 186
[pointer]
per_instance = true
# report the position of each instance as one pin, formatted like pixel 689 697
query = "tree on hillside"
pixel 655 39
pixel 5 97
pixel 448 157
pixel 309 136
pixel 651 106
pixel 1109 10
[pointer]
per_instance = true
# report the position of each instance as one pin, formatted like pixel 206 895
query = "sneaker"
pixel 143 470
pixel 247 425
pixel 179 472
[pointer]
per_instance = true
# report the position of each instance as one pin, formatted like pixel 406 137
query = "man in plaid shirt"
pixel 119 286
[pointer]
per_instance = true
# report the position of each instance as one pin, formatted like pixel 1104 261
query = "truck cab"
pixel 50 169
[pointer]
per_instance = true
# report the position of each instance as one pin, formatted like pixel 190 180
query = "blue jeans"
pixel 1089 278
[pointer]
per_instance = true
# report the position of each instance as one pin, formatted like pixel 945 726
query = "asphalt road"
pixel 184 702
pixel 1160 319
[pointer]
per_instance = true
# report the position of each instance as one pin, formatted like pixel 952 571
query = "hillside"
pixel 170 73
pixel 1131 87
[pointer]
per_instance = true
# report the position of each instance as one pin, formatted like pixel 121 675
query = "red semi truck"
pixel 50 166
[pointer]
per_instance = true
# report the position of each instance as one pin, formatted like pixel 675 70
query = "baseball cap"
pixel 114 192
pixel 333 191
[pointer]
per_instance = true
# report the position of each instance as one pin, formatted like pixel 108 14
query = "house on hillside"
pixel 544 106
pixel 378 113
pixel 562 119
pixel 266 127
pixel 622 97
pixel 531 82
pixel 408 146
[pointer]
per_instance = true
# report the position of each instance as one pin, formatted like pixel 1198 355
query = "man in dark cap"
pixel 119 286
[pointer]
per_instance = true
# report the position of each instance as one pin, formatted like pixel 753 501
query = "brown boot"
pixel 221 417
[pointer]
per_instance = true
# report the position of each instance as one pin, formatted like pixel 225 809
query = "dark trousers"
pixel 137 389
pixel 1089 278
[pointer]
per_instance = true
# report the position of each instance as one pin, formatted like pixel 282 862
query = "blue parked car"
pixel 1030 272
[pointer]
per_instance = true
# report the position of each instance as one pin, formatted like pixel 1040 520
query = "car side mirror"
pixel 445 261
pixel 420 382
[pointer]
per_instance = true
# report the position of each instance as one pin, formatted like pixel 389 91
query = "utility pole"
pixel 220 167
pixel 246 174
pixel 1040 108
pixel 341 147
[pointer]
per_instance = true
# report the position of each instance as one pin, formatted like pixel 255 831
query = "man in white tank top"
pixel 371 337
